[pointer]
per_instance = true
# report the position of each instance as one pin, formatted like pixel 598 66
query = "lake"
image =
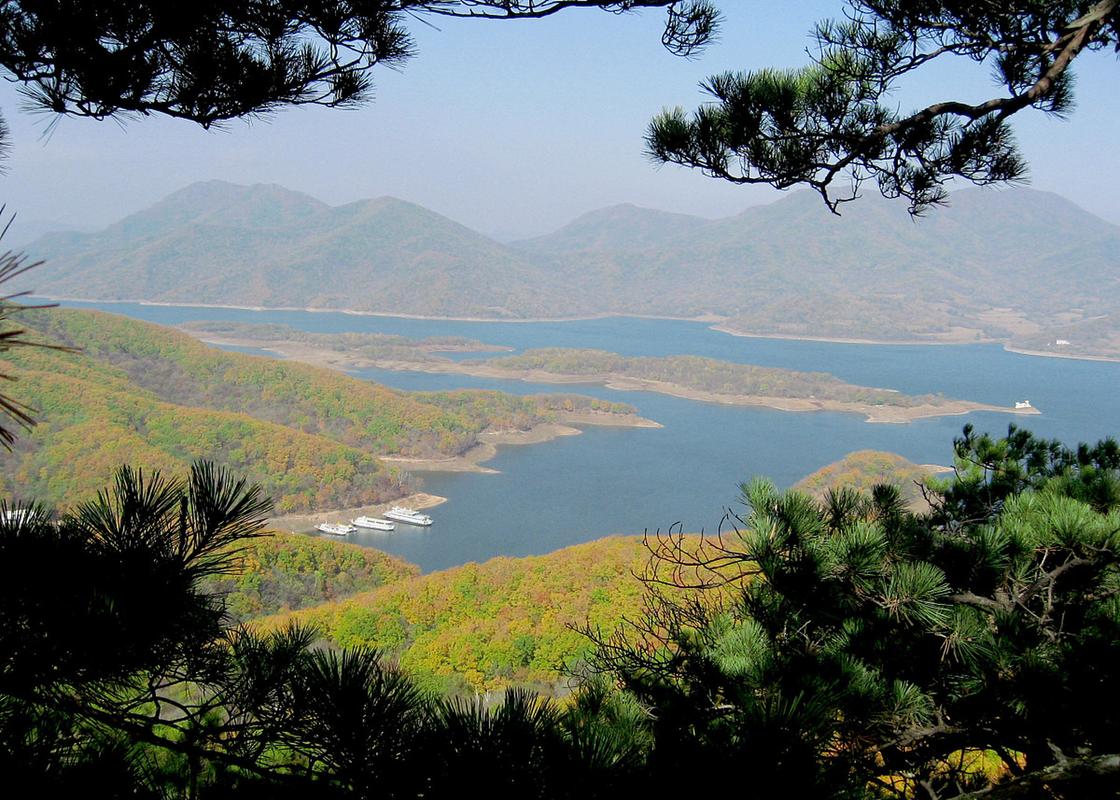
pixel 627 480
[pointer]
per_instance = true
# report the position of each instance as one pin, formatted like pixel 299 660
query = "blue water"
pixel 626 480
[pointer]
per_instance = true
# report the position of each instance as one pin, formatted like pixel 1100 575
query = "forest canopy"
pixel 836 648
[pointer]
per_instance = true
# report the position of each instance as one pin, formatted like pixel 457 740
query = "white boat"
pixel 336 528
pixel 407 515
pixel 374 523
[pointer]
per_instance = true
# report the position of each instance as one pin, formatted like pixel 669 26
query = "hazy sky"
pixel 512 128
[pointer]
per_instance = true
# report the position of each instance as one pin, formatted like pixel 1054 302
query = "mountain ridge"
pixel 992 266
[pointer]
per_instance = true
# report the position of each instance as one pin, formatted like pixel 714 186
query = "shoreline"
pixel 490 441
pixel 486 449
pixel 720 328
pixel 708 318
pixel 301 522
pixel 885 414
pixel 871 413
pixel 714 322
pixel 1007 346
pixel 1070 356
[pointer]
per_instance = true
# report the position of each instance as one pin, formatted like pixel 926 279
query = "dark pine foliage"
pixel 844 648
pixel 850 648
pixel 833 125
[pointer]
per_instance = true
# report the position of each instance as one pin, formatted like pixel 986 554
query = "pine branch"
pixel 1093 770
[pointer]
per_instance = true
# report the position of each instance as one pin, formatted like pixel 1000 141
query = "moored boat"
pixel 336 528
pixel 373 523
pixel 407 515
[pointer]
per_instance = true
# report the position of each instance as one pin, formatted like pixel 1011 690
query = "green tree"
pixel 213 61
pixel 832 125
pixel 850 648
pixel 102 618
pixel 11 410
pixel 120 673
pixel 220 60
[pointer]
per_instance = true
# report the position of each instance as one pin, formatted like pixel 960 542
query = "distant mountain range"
pixel 1010 265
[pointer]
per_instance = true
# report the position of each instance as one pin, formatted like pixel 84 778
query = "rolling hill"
pixel 267 246
pixel 863 469
pixel 992 266
pixel 283 572
pixel 620 227
pixel 133 392
pixel 481 627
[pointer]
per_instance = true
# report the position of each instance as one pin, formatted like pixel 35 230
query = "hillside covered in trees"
pixel 133 392
pixel 505 622
pixel 283 572
pixel 992 266
pixel 993 609
pixel 864 469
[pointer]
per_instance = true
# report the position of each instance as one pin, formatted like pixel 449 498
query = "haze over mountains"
pixel 994 265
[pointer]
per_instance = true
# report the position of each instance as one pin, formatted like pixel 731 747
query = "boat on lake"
pixel 336 528
pixel 407 515
pixel 373 523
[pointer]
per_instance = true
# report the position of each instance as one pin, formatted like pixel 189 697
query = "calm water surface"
pixel 626 480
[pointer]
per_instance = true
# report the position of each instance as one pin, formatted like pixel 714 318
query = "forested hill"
pixel 863 469
pixel 264 245
pixel 283 572
pixel 141 394
pixel 990 265
pixel 993 265
pixel 508 621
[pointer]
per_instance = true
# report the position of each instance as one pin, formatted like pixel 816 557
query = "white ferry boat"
pixel 373 523
pixel 407 515
pixel 336 529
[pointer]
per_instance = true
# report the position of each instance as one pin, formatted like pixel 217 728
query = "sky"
pixel 511 128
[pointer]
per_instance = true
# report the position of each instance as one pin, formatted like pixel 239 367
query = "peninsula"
pixel 133 392
pixel 690 377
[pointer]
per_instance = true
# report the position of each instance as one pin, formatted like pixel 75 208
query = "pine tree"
pixel 833 125
pixel 852 648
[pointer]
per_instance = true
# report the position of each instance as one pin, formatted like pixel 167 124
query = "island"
pixel 366 345
pixel 690 377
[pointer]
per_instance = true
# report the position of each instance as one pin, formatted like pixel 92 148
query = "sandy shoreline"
pixel 489 441
pixel 485 450
pixel 299 351
pixel 1071 356
pixel 396 314
pixel 949 341
pixel 298 523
